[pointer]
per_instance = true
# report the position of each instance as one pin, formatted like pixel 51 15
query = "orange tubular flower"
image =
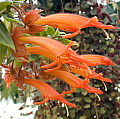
pixel 98 58
pixel 81 71
pixel 74 81
pixel 63 54
pixel 9 78
pixel 88 74
pixel 71 22
pixel 48 92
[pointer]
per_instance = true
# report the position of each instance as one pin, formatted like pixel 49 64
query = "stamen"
pixel 108 37
pixel 98 96
pixel 104 86
pixel 67 110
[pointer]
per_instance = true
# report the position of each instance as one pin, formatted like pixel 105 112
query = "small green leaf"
pixel 84 5
pixel 84 92
pixel 102 110
pixel 50 4
pixel 11 20
pixel 68 6
pixel 3 50
pixel 87 99
pixel 83 117
pixel 5 38
pixel 87 106
pixel 50 30
pixel 78 90
pixel 17 64
pixel 78 99
pixel 76 8
pixel 10 59
pixel 93 11
pixel 3 5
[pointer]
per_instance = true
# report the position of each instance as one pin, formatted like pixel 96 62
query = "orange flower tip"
pixel 61 99
pixel 107 61
pixel 92 90
pixel 105 79
pixel 99 92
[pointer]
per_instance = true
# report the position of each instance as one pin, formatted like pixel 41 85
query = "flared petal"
pixel 101 60
pixel 48 92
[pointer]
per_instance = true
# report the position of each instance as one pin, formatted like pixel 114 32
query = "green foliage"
pixel 5 38
pixel 3 50
pixel 3 5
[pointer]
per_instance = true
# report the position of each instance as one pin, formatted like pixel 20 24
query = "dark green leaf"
pixel 87 99
pixel 3 50
pixel 67 6
pixel 10 59
pixel 78 99
pixel 84 5
pixel 93 11
pixel 5 38
pixel 102 110
pixel 76 8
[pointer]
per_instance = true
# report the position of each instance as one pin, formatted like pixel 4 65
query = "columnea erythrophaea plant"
pixel 65 62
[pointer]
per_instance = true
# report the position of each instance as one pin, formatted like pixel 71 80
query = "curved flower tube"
pixel 47 91
pixel 81 71
pixel 64 54
pixel 71 22
pixel 74 81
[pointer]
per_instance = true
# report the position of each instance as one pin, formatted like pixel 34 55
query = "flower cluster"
pixel 66 63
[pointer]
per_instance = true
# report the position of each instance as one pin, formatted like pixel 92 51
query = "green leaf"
pixel 102 110
pixel 67 6
pixel 50 30
pixel 67 41
pixel 87 106
pixel 93 12
pixel 78 99
pixel 10 59
pixel 76 8
pixel 17 64
pixel 83 117
pixel 3 5
pixel 84 5
pixel 3 50
pixel 78 90
pixel 84 92
pixel 5 38
pixel 87 99
pixel 50 4
pixel 11 20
